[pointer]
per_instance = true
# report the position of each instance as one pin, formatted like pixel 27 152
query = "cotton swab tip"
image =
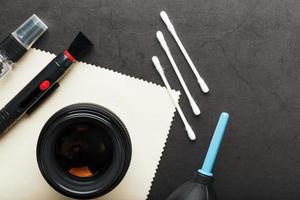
pixel 162 41
pixel 195 108
pixel 190 132
pixel 203 86
pixel 157 64
pixel 160 36
pixel 166 20
pixel 164 15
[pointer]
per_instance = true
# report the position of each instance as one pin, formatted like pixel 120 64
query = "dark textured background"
pixel 247 51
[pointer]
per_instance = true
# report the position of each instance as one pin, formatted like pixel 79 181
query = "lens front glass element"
pixel 84 150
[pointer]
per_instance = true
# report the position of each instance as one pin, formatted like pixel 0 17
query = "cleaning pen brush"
pixel 80 45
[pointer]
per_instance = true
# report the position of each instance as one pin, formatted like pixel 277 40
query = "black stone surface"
pixel 247 51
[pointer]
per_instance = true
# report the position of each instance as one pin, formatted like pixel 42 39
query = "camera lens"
pixel 84 151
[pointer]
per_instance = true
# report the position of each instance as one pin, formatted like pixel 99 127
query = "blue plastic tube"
pixel 214 146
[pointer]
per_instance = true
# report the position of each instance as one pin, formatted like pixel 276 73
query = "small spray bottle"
pixel 18 42
pixel 200 187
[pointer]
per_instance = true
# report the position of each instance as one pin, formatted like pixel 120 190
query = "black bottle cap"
pixel 12 48
pixel 17 43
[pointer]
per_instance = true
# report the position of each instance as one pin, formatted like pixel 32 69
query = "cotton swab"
pixel 171 28
pixel 160 70
pixel 165 47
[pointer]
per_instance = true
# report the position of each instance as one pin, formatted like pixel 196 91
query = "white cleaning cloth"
pixel 145 109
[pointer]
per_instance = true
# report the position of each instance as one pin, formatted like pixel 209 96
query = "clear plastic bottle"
pixel 18 42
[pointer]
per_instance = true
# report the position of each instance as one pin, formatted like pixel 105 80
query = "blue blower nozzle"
pixel 214 146
pixel 200 187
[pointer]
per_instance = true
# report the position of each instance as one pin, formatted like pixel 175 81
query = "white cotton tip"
pixel 166 20
pixel 157 64
pixel 195 107
pixel 190 132
pixel 161 39
pixel 203 86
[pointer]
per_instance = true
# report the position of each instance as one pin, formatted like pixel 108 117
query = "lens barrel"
pixel 84 151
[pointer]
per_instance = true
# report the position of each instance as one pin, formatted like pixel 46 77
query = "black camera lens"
pixel 84 151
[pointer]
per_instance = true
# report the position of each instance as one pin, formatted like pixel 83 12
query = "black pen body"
pixel 41 86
